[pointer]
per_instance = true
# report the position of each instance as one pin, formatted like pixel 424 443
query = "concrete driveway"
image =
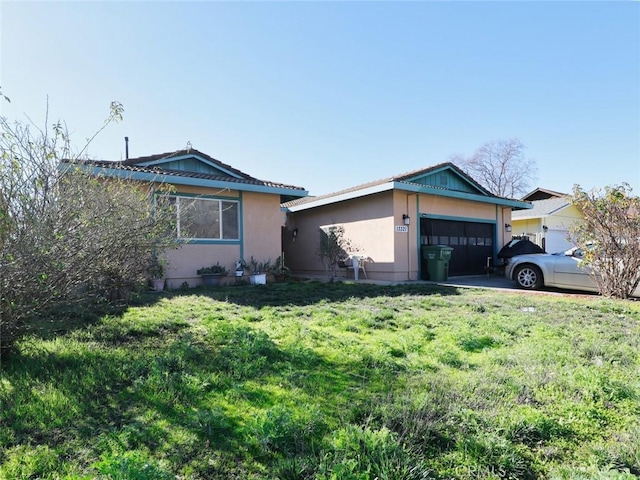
pixel 469 281
pixel 501 282
pixel 485 281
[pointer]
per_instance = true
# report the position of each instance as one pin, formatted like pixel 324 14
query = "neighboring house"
pixel 542 194
pixel 389 221
pixel 229 215
pixel 547 223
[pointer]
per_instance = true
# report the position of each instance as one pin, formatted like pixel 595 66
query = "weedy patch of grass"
pixel 329 381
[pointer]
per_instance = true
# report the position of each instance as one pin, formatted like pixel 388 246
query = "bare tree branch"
pixel 501 167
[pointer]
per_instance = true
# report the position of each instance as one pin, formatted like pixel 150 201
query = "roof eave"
pixel 408 187
pixel 505 202
pixel 529 217
pixel 189 181
pixel 542 215
pixel 320 202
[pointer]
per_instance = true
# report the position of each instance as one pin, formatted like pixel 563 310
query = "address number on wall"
pixel 402 229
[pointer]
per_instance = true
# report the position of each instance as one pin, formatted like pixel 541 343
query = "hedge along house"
pixel 390 220
pixel 223 214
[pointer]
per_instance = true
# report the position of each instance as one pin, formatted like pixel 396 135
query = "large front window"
pixel 207 218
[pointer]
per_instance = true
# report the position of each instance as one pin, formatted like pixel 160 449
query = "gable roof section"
pixel 444 179
pixel 188 167
pixel 542 194
pixel 541 208
pixel 445 175
pixel 188 160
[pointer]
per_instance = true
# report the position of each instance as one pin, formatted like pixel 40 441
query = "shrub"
pixel 66 235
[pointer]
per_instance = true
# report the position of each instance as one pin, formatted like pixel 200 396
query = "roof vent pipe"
pixel 126 148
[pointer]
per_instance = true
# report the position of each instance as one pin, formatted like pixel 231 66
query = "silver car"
pixel 562 270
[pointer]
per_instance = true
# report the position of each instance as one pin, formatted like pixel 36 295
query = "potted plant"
pixel 212 276
pixel 279 270
pixel 258 271
pixel 241 266
pixel 155 271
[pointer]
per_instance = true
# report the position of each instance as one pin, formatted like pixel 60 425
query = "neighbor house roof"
pixel 541 208
pixel 187 167
pixel 542 194
pixel 444 179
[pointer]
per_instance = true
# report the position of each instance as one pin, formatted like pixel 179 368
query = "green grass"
pixel 329 381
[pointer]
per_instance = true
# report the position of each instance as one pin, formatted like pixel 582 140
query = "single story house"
pixel 229 215
pixel 389 221
pixel 547 223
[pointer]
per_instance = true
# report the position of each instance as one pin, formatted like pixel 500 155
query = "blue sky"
pixel 327 95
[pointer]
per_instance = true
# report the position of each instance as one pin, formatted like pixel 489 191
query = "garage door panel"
pixel 472 243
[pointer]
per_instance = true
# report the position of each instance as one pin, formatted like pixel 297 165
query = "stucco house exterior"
pixel 390 220
pixel 547 223
pixel 229 214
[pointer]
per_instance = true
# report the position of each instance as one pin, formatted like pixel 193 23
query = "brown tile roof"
pixel 134 165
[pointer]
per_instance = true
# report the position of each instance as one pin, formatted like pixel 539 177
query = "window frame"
pixel 217 199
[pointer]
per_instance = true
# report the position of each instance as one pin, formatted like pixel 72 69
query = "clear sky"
pixel 327 95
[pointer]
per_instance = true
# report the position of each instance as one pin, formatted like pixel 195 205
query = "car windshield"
pixel 572 252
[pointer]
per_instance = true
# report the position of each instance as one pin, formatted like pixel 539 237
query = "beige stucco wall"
pixel 370 224
pixel 262 226
pixel 455 207
pixel 405 245
pixel 262 221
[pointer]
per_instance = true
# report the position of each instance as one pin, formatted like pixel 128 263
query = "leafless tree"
pixel 501 167
pixel 610 237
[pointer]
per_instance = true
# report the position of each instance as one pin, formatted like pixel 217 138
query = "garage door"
pixel 472 243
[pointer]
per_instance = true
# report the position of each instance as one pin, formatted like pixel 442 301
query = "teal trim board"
pixel 457 219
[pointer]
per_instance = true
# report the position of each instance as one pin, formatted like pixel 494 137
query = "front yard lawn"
pixel 330 381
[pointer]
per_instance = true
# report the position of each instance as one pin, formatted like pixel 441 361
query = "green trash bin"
pixel 435 262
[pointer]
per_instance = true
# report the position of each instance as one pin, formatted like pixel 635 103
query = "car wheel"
pixel 528 277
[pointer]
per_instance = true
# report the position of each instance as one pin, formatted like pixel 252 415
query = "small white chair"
pixel 357 264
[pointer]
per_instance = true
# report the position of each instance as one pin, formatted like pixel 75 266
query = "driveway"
pixel 470 281
pixel 502 282
pixel 485 281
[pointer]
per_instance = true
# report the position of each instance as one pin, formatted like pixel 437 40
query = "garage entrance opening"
pixel 472 243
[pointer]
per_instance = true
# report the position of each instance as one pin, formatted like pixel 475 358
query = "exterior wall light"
pixel 406 219
pixel 507 227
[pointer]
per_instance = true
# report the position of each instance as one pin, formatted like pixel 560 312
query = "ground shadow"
pixel 135 392
pixel 68 317
pixel 313 292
